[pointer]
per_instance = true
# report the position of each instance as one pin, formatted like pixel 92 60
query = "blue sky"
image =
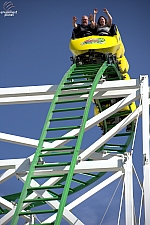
pixel 34 50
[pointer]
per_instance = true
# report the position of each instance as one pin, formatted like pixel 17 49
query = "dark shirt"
pixel 105 30
pixel 82 31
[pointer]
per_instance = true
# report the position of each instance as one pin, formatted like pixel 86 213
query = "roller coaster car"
pixel 97 47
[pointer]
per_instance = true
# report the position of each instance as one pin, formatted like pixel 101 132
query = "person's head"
pixel 84 20
pixel 102 20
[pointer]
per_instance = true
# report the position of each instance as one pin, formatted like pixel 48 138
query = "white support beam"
pixel 51 89
pixel 103 155
pixel 45 93
pixel 129 204
pixel 6 204
pixel 113 164
pixel 14 139
pixel 7 175
pixel 10 163
pixel 146 151
pixel 28 90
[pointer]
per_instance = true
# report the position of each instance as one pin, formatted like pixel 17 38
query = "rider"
pixel 103 25
pixel 84 29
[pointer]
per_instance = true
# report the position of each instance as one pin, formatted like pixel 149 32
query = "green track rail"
pixel 67 112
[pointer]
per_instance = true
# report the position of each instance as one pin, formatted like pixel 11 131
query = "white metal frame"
pixel 146 150
pixel 119 164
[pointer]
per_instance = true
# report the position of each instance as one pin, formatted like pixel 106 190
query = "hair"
pixel 99 19
pixel 85 16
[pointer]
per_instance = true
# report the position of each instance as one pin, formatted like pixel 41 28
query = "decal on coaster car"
pixel 93 41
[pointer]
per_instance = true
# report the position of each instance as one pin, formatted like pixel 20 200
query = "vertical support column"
pixel 146 154
pixel 129 204
pixel 32 220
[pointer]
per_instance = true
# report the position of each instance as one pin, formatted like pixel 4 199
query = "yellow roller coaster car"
pixel 103 44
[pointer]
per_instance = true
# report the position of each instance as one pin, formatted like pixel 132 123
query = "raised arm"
pixel 74 24
pixel 91 21
pixel 109 21
pixel 95 12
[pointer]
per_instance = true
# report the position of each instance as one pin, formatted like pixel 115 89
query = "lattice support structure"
pixel 119 164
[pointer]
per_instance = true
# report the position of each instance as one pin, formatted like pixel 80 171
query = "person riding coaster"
pixel 101 37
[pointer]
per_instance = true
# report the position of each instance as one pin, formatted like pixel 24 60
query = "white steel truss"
pixel 120 165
